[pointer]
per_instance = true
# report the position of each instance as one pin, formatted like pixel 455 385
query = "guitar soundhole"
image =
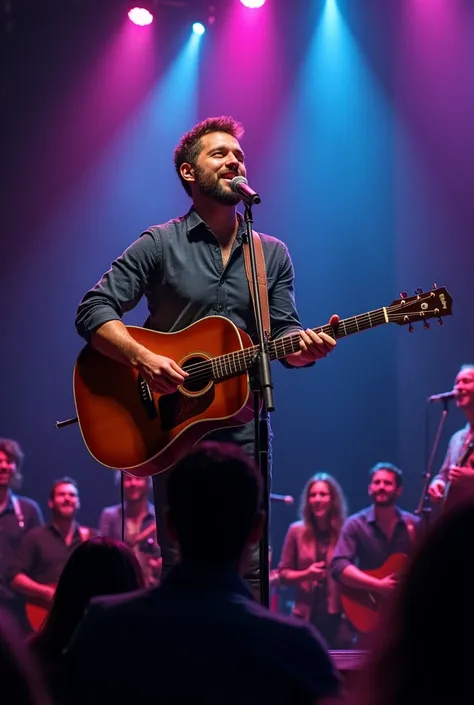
pixel 200 376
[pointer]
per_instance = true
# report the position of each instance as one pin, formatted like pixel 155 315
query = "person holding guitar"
pixel 189 269
pixel 18 515
pixel 140 526
pixel 307 552
pixel 45 550
pixel 455 480
pixel 372 546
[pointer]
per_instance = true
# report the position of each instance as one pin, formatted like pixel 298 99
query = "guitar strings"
pixel 202 370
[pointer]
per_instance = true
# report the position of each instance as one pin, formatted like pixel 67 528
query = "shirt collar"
pixel 370 514
pixel 196 226
pixel 56 532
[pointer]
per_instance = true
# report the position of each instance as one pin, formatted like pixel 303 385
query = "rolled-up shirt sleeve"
pixel 346 549
pixel 122 286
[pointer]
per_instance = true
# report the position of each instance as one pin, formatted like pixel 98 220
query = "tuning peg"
pixel 410 328
pixel 426 325
pixel 403 294
pixel 435 286
pixel 418 291
pixel 440 321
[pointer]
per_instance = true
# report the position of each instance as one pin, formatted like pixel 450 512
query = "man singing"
pixel 190 268
pixel 461 478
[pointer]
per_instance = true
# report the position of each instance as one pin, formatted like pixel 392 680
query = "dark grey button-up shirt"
pixel 363 543
pixel 178 267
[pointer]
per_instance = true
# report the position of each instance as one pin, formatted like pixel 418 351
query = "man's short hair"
pixel 466 366
pixel 63 481
pixel 214 496
pixel 390 467
pixel 13 451
pixel 189 146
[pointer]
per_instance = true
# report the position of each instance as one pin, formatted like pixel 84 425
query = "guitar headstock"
pixel 424 305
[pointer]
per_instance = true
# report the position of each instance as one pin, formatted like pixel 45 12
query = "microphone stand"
pixel 424 508
pixel 263 397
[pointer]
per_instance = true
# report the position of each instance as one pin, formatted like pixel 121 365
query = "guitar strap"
pixel 261 279
pixel 17 509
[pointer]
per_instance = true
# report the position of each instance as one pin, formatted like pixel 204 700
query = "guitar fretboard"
pixel 235 363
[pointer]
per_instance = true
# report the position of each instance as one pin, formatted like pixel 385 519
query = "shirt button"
pixel 219 308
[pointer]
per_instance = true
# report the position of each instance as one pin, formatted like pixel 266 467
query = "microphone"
pixel 285 498
pixel 444 396
pixel 240 186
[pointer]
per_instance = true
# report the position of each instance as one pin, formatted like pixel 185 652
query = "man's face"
pixel 383 488
pixel 464 385
pixel 65 501
pixel 135 488
pixel 220 159
pixel 319 499
pixel 7 469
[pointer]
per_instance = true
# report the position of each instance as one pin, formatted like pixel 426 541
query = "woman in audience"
pixel 306 556
pixel 100 566
pixel 20 679
pixel 425 653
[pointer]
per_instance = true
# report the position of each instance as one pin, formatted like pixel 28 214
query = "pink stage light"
pixel 140 16
pixel 253 4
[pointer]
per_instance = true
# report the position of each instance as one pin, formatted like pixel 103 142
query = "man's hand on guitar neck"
pixel 313 346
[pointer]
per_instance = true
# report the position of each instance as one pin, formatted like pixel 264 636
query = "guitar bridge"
pixel 146 398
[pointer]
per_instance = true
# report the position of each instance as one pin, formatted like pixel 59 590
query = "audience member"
pixel 215 644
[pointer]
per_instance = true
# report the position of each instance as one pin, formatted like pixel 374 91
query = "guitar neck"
pixel 238 362
pixel 281 347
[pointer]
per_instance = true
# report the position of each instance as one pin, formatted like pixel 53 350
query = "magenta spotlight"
pixel 140 16
pixel 253 4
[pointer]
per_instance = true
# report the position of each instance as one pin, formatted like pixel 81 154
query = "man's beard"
pixel 211 187
pixel 388 501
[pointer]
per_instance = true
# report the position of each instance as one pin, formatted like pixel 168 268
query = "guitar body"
pixel 362 607
pixel 36 614
pixel 127 427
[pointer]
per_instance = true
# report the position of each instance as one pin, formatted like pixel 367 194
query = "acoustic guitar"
pixel 456 493
pixel 126 426
pixel 36 614
pixel 362 607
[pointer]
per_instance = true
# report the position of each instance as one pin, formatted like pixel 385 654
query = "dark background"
pixel 359 138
